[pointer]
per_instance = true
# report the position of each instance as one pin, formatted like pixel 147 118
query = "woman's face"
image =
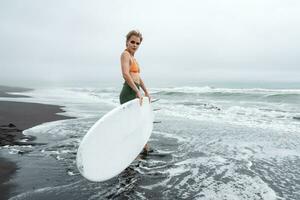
pixel 133 43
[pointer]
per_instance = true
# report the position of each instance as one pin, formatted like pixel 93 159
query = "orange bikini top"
pixel 134 67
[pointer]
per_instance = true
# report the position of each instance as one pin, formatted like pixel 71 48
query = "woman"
pixel 131 72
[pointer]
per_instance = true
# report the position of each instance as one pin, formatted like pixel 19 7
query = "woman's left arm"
pixel 145 89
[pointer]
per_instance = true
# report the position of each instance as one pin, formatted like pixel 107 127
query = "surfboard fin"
pixel 154 100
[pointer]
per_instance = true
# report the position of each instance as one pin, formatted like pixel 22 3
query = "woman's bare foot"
pixel 146 148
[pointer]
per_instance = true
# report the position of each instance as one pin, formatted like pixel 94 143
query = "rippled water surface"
pixel 212 143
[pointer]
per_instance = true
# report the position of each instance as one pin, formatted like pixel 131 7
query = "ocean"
pixel 209 143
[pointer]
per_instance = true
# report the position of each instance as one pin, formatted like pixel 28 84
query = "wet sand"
pixel 14 118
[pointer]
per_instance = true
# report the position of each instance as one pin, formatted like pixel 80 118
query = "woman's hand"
pixel 148 95
pixel 139 95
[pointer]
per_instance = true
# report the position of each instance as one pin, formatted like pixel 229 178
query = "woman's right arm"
pixel 125 60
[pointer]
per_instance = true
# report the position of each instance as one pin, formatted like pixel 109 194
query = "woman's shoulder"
pixel 125 57
pixel 125 54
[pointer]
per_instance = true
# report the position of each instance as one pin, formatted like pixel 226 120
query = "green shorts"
pixel 127 93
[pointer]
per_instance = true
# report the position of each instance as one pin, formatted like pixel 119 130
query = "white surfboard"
pixel 115 140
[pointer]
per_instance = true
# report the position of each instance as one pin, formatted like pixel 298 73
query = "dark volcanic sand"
pixel 26 115
pixel 14 118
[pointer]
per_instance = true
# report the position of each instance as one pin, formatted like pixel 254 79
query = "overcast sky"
pixel 228 40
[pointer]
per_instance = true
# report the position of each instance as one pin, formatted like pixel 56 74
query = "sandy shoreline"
pixel 14 118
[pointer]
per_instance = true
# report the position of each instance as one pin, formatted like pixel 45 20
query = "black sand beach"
pixel 14 118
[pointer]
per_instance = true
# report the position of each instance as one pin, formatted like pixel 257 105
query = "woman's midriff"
pixel 135 77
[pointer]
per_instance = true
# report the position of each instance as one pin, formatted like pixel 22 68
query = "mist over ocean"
pixel 238 142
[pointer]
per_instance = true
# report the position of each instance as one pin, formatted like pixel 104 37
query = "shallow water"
pixel 213 143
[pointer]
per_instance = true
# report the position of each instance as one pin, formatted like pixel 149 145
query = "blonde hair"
pixel 135 33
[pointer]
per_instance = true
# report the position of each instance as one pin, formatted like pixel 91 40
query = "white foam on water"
pixel 242 188
pixel 32 193
pixel 231 185
pixel 84 102
pixel 239 115
pixel 62 138
pixel 207 89
pixel 180 139
pixel 217 174
pixel 77 102
pixel 276 115
pixel 17 149
pixel 230 166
